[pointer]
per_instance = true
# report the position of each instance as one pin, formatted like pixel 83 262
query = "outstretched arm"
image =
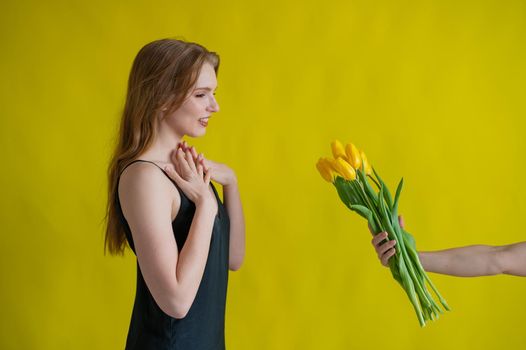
pixel 477 260
pixel 469 261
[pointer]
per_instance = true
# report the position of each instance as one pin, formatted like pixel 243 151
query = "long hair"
pixel 161 77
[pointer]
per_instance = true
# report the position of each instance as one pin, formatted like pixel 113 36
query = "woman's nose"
pixel 214 106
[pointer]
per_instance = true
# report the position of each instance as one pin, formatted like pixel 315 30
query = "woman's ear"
pixel 162 112
pixel 164 107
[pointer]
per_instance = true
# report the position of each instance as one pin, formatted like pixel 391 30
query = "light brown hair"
pixel 162 75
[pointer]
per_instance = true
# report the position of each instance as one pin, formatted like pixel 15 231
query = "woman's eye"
pixel 200 95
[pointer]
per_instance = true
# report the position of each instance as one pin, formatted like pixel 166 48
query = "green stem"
pixel 375 182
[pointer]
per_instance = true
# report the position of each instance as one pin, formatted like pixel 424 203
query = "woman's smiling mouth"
pixel 204 121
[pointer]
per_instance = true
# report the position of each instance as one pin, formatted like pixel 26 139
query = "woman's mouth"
pixel 204 122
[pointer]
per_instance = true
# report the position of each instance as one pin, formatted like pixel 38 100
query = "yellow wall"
pixel 432 90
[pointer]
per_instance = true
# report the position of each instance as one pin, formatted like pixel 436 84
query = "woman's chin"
pixel 197 133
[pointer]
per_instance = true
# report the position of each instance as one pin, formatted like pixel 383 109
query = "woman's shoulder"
pixel 138 164
pixel 141 172
pixel 145 182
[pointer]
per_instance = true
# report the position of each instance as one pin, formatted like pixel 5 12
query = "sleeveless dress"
pixel 203 326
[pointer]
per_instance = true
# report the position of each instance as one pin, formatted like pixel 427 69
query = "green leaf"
pixel 397 196
pixel 343 191
pixel 386 192
pixel 375 182
pixel 363 212
pixel 367 186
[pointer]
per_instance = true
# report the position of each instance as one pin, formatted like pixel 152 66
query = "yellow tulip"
pixel 331 163
pixel 366 165
pixel 344 169
pixel 325 169
pixel 337 149
pixel 353 155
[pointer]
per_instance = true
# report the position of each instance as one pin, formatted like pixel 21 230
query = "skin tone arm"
pixel 225 176
pixel 469 261
pixel 237 224
pixel 146 198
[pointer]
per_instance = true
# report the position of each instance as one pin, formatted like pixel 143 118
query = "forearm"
pixel 237 225
pixel 470 261
pixel 192 257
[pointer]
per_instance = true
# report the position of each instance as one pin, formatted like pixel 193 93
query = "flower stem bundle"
pixel 349 171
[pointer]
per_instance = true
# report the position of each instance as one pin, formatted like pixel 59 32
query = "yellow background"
pixel 432 90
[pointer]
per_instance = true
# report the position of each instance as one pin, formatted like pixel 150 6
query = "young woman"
pixel 469 261
pixel 162 204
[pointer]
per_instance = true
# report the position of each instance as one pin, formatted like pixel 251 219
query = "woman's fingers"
pixel 187 148
pixel 201 159
pixel 200 170
pixel 175 161
pixel 190 160
pixel 183 145
pixel 186 165
pixel 183 164
pixel 208 175
pixel 194 152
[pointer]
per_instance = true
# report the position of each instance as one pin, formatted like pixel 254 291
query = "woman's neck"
pixel 161 148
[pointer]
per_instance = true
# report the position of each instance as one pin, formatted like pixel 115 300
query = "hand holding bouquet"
pixel 350 172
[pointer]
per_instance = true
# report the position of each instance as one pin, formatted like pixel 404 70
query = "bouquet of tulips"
pixel 350 172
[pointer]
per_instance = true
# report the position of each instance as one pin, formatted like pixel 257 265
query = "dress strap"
pixel 147 161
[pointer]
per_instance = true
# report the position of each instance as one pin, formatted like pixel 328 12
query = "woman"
pixel 469 261
pixel 161 201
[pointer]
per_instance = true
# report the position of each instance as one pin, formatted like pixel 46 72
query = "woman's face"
pixel 192 117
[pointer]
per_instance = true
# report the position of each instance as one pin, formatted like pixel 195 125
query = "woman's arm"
pixel 146 200
pixel 237 225
pixel 225 176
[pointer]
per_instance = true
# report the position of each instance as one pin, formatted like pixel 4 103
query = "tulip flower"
pixel 325 169
pixel 345 169
pixel 365 163
pixel 353 155
pixel 337 149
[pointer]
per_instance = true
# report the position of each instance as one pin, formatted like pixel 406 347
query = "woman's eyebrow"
pixel 205 88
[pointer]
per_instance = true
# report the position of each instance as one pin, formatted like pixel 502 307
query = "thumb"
pixel 208 176
pixel 170 170
pixel 401 221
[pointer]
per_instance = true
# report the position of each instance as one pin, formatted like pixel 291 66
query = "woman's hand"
pixel 191 177
pixel 385 249
pixel 221 173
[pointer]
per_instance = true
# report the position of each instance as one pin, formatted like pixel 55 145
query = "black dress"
pixel 203 326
